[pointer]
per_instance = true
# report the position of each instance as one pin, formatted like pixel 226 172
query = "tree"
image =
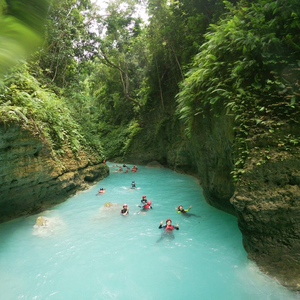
pixel 69 40
pixel 118 43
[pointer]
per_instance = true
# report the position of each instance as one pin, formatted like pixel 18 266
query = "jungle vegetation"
pixel 91 77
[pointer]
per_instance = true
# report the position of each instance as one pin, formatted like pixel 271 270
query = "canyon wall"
pixel 266 201
pixel 267 204
pixel 33 178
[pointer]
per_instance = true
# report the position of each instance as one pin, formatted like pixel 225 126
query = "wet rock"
pixel 267 202
pixel 154 164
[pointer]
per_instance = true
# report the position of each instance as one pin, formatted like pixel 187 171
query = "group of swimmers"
pixel 147 204
pixel 168 227
pixel 120 168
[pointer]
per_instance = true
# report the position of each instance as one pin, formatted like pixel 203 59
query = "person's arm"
pixel 160 225
pixel 176 227
pixel 189 208
pixel 124 213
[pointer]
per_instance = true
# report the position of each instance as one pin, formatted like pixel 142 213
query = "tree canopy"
pixel 118 75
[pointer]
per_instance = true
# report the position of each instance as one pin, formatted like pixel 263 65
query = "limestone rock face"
pixel 32 179
pixel 267 202
pixel 211 151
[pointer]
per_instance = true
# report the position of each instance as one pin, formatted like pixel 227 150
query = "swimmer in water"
pixel 124 210
pixel 101 191
pixel 146 206
pixel 180 209
pixel 168 230
pixel 144 200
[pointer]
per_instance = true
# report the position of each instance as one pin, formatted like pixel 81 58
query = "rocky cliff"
pixel 32 178
pixel 267 203
pixel 211 151
pixel 266 199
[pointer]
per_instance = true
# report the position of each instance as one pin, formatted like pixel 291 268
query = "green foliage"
pixel 117 139
pixel 122 56
pixel 131 131
pixel 250 66
pixel 69 41
pixel 23 100
pixel 103 86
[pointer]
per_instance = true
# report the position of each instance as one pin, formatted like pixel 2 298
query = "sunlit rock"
pixel 33 179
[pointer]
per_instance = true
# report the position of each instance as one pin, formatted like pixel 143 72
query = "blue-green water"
pixel 88 251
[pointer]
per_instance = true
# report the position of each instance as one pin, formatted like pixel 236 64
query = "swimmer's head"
pixel 168 220
pixel 143 196
pixel 149 202
pixel 124 205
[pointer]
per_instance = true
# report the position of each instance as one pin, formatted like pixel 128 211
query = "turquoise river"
pixel 88 251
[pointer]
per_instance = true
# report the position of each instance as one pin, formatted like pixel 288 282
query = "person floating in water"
pixel 168 230
pixel 125 210
pixel 101 191
pixel 147 205
pixel 134 169
pixel 144 200
pixel 180 209
pixel 133 185
pixel 168 227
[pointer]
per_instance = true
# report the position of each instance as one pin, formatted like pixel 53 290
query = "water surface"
pixel 89 251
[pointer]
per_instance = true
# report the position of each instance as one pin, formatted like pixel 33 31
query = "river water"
pixel 89 251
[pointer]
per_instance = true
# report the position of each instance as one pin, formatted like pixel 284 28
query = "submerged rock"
pixel 45 227
pixel 40 221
